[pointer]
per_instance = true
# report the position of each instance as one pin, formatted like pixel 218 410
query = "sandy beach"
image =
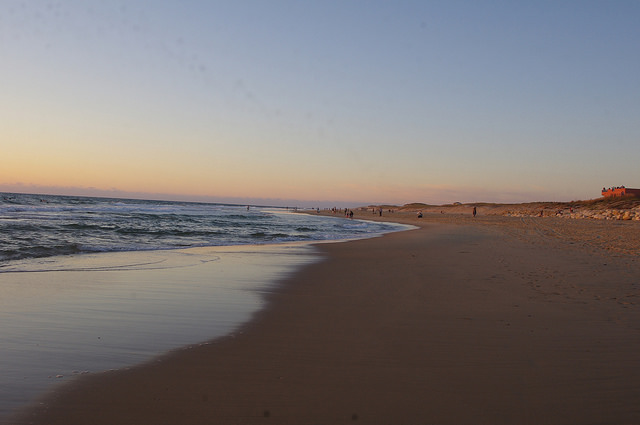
pixel 492 320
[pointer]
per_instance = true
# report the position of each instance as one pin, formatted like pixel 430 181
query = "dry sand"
pixel 488 321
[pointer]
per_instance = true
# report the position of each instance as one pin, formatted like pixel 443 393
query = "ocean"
pixel 40 226
pixel 93 284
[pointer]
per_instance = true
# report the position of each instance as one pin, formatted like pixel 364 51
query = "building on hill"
pixel 619 191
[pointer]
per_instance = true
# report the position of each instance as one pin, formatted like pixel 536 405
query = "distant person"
pixel 350 214
pixel 420 214
pixel 474 211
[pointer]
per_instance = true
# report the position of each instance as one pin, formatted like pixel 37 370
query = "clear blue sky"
pixel 339 101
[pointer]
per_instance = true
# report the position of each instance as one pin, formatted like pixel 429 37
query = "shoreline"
pixel 67 317
pixel 57 311
pixel 406 328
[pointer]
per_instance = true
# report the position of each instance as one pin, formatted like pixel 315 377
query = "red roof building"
pixel 619 191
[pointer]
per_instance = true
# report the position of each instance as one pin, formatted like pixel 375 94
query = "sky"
pixel 334 101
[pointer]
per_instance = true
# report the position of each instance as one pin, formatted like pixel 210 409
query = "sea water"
pixel 37 226
pixel 92 284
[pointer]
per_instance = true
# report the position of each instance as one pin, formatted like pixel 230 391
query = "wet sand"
pixel 493 321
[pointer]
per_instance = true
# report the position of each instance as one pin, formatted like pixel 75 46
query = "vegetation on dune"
pixel 415 205
pixel 619 203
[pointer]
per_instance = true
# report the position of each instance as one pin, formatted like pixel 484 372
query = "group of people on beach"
pixel 347 212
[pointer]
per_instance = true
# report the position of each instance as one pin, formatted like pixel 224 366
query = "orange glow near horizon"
pixel 230 171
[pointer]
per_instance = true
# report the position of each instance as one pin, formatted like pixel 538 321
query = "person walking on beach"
pixel 474 212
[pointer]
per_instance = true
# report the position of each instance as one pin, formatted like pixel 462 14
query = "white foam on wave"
pixel 67 226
